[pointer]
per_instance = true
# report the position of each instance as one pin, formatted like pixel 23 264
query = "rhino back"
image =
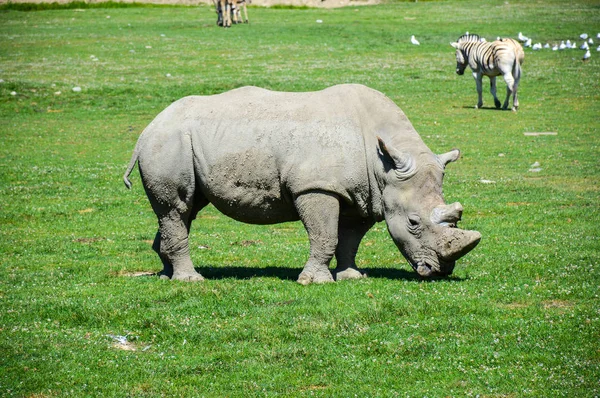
pixel 254 150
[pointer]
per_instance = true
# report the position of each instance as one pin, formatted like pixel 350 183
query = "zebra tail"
pixel 519 58
pixel 517 70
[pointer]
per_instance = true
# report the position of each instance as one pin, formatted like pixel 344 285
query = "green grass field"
pixel 520 317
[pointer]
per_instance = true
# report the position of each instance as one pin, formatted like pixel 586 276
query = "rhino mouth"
pixel 428 268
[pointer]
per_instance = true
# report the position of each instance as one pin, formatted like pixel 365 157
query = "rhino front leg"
pixel 319 212
pixel 350 234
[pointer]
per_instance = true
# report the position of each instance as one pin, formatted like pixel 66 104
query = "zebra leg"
pixel 234 13
pixel 515 98
pixel 226 13
pixel 245 12
pixel 222 14
pixel 510 84
pixel 478 78
pixel 219 12
pixel 493 91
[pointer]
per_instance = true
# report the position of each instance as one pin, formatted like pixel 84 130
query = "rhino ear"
pixel 404 164
pixel 448 157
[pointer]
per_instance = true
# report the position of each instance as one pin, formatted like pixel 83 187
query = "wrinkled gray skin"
pixel 339 160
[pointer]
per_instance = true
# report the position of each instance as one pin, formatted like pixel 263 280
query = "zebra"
pixel 500 57
pixel 223 10
pixel 237 11
pixel 232 11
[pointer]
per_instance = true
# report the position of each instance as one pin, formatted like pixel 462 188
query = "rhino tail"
pixel 132 162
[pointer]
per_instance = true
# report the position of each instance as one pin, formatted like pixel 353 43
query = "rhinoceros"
pixel 340 160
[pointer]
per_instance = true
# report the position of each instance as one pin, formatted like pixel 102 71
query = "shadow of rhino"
pixel 291 274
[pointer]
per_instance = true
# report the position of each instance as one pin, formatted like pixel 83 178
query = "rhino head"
pixel 423 227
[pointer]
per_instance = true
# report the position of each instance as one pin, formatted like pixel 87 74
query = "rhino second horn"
pixel 455 243
pixel 447 214
pixel 448 157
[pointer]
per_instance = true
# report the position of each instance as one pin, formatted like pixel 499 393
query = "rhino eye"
pixel 414 225
pixel 414 220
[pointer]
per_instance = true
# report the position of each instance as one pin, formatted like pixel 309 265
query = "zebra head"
pixel 462 51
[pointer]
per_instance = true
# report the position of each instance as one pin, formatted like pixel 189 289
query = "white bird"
pixel 546 45
pixel 584 46
pixel 555 48
pixel 562 45
pixel 522 38
pixel 598 49
pixel 414 41
pixel 482 39
pixel 598 36
pixel 591 41
pixel 584 36
pixel 528 43
pixel 587 55
pixel 537 46
pixel 568 44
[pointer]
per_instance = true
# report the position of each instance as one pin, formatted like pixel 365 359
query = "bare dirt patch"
pixel 560 304
pixel 134 274
pixel 514 306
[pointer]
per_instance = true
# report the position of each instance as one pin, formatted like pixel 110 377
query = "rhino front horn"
pixel 455 243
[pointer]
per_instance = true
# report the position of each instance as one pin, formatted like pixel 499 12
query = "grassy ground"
pixel 520 317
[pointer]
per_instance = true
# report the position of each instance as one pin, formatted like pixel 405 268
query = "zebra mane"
pixel 469 37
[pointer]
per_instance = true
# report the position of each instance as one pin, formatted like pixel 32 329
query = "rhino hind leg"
pixel 167 271
pixel 175 266
pixel 319 212
pixel 175 214
pixel 171 244
pixel 350 234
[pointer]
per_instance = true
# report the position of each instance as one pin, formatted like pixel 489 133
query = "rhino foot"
pixel 348 273
pixel 188 277
pixel 307 277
